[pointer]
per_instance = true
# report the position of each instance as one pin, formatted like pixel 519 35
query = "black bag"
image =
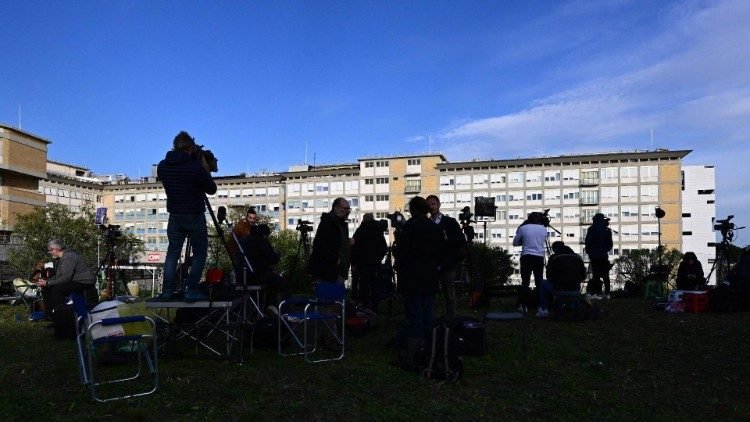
pixel 265 332
pixel 64 322
pixel 442 360
pixel 470 333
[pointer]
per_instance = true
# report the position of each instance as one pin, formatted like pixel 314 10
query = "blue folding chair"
pixel 327 309
pixel 140 348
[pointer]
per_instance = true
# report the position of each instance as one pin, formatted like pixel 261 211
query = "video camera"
pixel 724 226
pixel 304 226
pixel 111 231
pixel 397 220
pixel 465 216
pixel 211 160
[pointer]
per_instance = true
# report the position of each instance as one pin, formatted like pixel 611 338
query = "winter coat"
pixel 185 182
pixel 419 252
pixel 369 244
pixel 598 241
pixel 328 260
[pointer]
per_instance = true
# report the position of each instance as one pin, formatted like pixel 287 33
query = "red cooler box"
pixel 695 301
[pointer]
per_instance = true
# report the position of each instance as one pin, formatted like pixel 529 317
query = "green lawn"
pixel 634 364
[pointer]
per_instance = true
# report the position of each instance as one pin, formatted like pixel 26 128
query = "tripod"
pixel 108 265
pixel 723 262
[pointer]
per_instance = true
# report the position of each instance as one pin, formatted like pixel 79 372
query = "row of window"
pixel 69 193
pixel 605 175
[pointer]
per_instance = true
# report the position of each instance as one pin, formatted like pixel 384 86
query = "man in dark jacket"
pixel 329 260
pixel 367 254
pixel 186 180
pixel 565 268
pixel 72 274
pixel 598 245
pixel 455 244
pixel 419 251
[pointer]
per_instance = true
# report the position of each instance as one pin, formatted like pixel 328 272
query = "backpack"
pixel 441 359
pixel 470 333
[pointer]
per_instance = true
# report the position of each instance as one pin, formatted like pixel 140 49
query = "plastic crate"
pixel 695 302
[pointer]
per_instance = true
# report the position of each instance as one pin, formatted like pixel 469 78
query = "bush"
pixel 489 265
pixel 635 268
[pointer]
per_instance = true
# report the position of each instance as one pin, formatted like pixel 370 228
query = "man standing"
pixel 329 260
pixel 367 255
pixel 531 236
pixel 455 242
pixel 598 245
pixel 72 274
pixel 186 180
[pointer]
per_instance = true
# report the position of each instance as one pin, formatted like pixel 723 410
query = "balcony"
pixel 413 189
pixel 588 181
pixel 591 200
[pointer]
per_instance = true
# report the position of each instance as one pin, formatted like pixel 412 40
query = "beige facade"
pixel 23 160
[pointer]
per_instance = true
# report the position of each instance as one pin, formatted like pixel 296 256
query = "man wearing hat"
pixel 598 245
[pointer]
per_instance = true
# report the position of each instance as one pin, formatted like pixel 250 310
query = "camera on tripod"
pixel 111 231
pixel 724 226
pixel 304 226
pixel 546 218
pixel 211 160
pixel 465 216
pixel 397 220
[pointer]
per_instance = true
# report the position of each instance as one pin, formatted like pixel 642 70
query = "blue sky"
pixel 111 82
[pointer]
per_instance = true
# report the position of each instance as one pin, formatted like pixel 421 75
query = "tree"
pixel 492 265
pixel 635 268
pixel 76 230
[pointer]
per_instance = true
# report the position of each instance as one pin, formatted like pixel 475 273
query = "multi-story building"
pixel 698 213
pixel 23 161
pixel 627 187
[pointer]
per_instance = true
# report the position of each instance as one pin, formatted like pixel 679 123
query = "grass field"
pixel 634 364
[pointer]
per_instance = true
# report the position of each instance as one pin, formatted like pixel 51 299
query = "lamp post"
pixel 660 213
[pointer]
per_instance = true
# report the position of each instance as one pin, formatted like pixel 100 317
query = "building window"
pixel 705 191
pixel 369 181
pixel 381 181
pixel 369 164
pixel 381 164
pixel 414 161
pixel 382 197
pixel 687 233
pixel 686 214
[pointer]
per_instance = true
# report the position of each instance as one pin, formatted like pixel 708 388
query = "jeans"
pixel 180 226
pixel 600 272
pixel 546 291
pixel 530 264
pixel 448 284
pixel 419 319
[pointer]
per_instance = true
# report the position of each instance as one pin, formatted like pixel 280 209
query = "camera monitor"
pixel 484 207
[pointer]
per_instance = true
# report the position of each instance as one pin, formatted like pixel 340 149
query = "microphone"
pixel 221 214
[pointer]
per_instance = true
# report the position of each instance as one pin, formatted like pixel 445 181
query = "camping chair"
pixel 327 309
pixel 504 315
pixel 138 347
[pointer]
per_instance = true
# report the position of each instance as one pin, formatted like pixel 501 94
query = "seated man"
pixel 262 257
pixel 72 274
pixel 565 268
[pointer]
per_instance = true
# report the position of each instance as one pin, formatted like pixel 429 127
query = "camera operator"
pixel 598 244
pixel 419 252
pixel 72 274
pixel 367 253
pixel 531 235
pixel 184 173
pixel 329 260
pixel 455 242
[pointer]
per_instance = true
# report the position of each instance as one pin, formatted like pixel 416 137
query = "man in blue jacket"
pixel 184 173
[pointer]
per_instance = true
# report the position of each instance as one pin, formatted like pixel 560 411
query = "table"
pixel 227 318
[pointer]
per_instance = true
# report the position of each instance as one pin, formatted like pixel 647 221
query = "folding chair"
pixel 504 315
pixel 327 309
pixel 139 347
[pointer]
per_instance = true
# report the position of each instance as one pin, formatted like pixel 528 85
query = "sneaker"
pixel 162 297
pixel 272 310
pixel 292 319
pixel 194 295
pixel 522 309
pixel 542 313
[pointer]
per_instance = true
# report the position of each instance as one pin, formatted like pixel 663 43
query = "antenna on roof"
pixel 652 139
pixel 19 117
pixel 305 151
